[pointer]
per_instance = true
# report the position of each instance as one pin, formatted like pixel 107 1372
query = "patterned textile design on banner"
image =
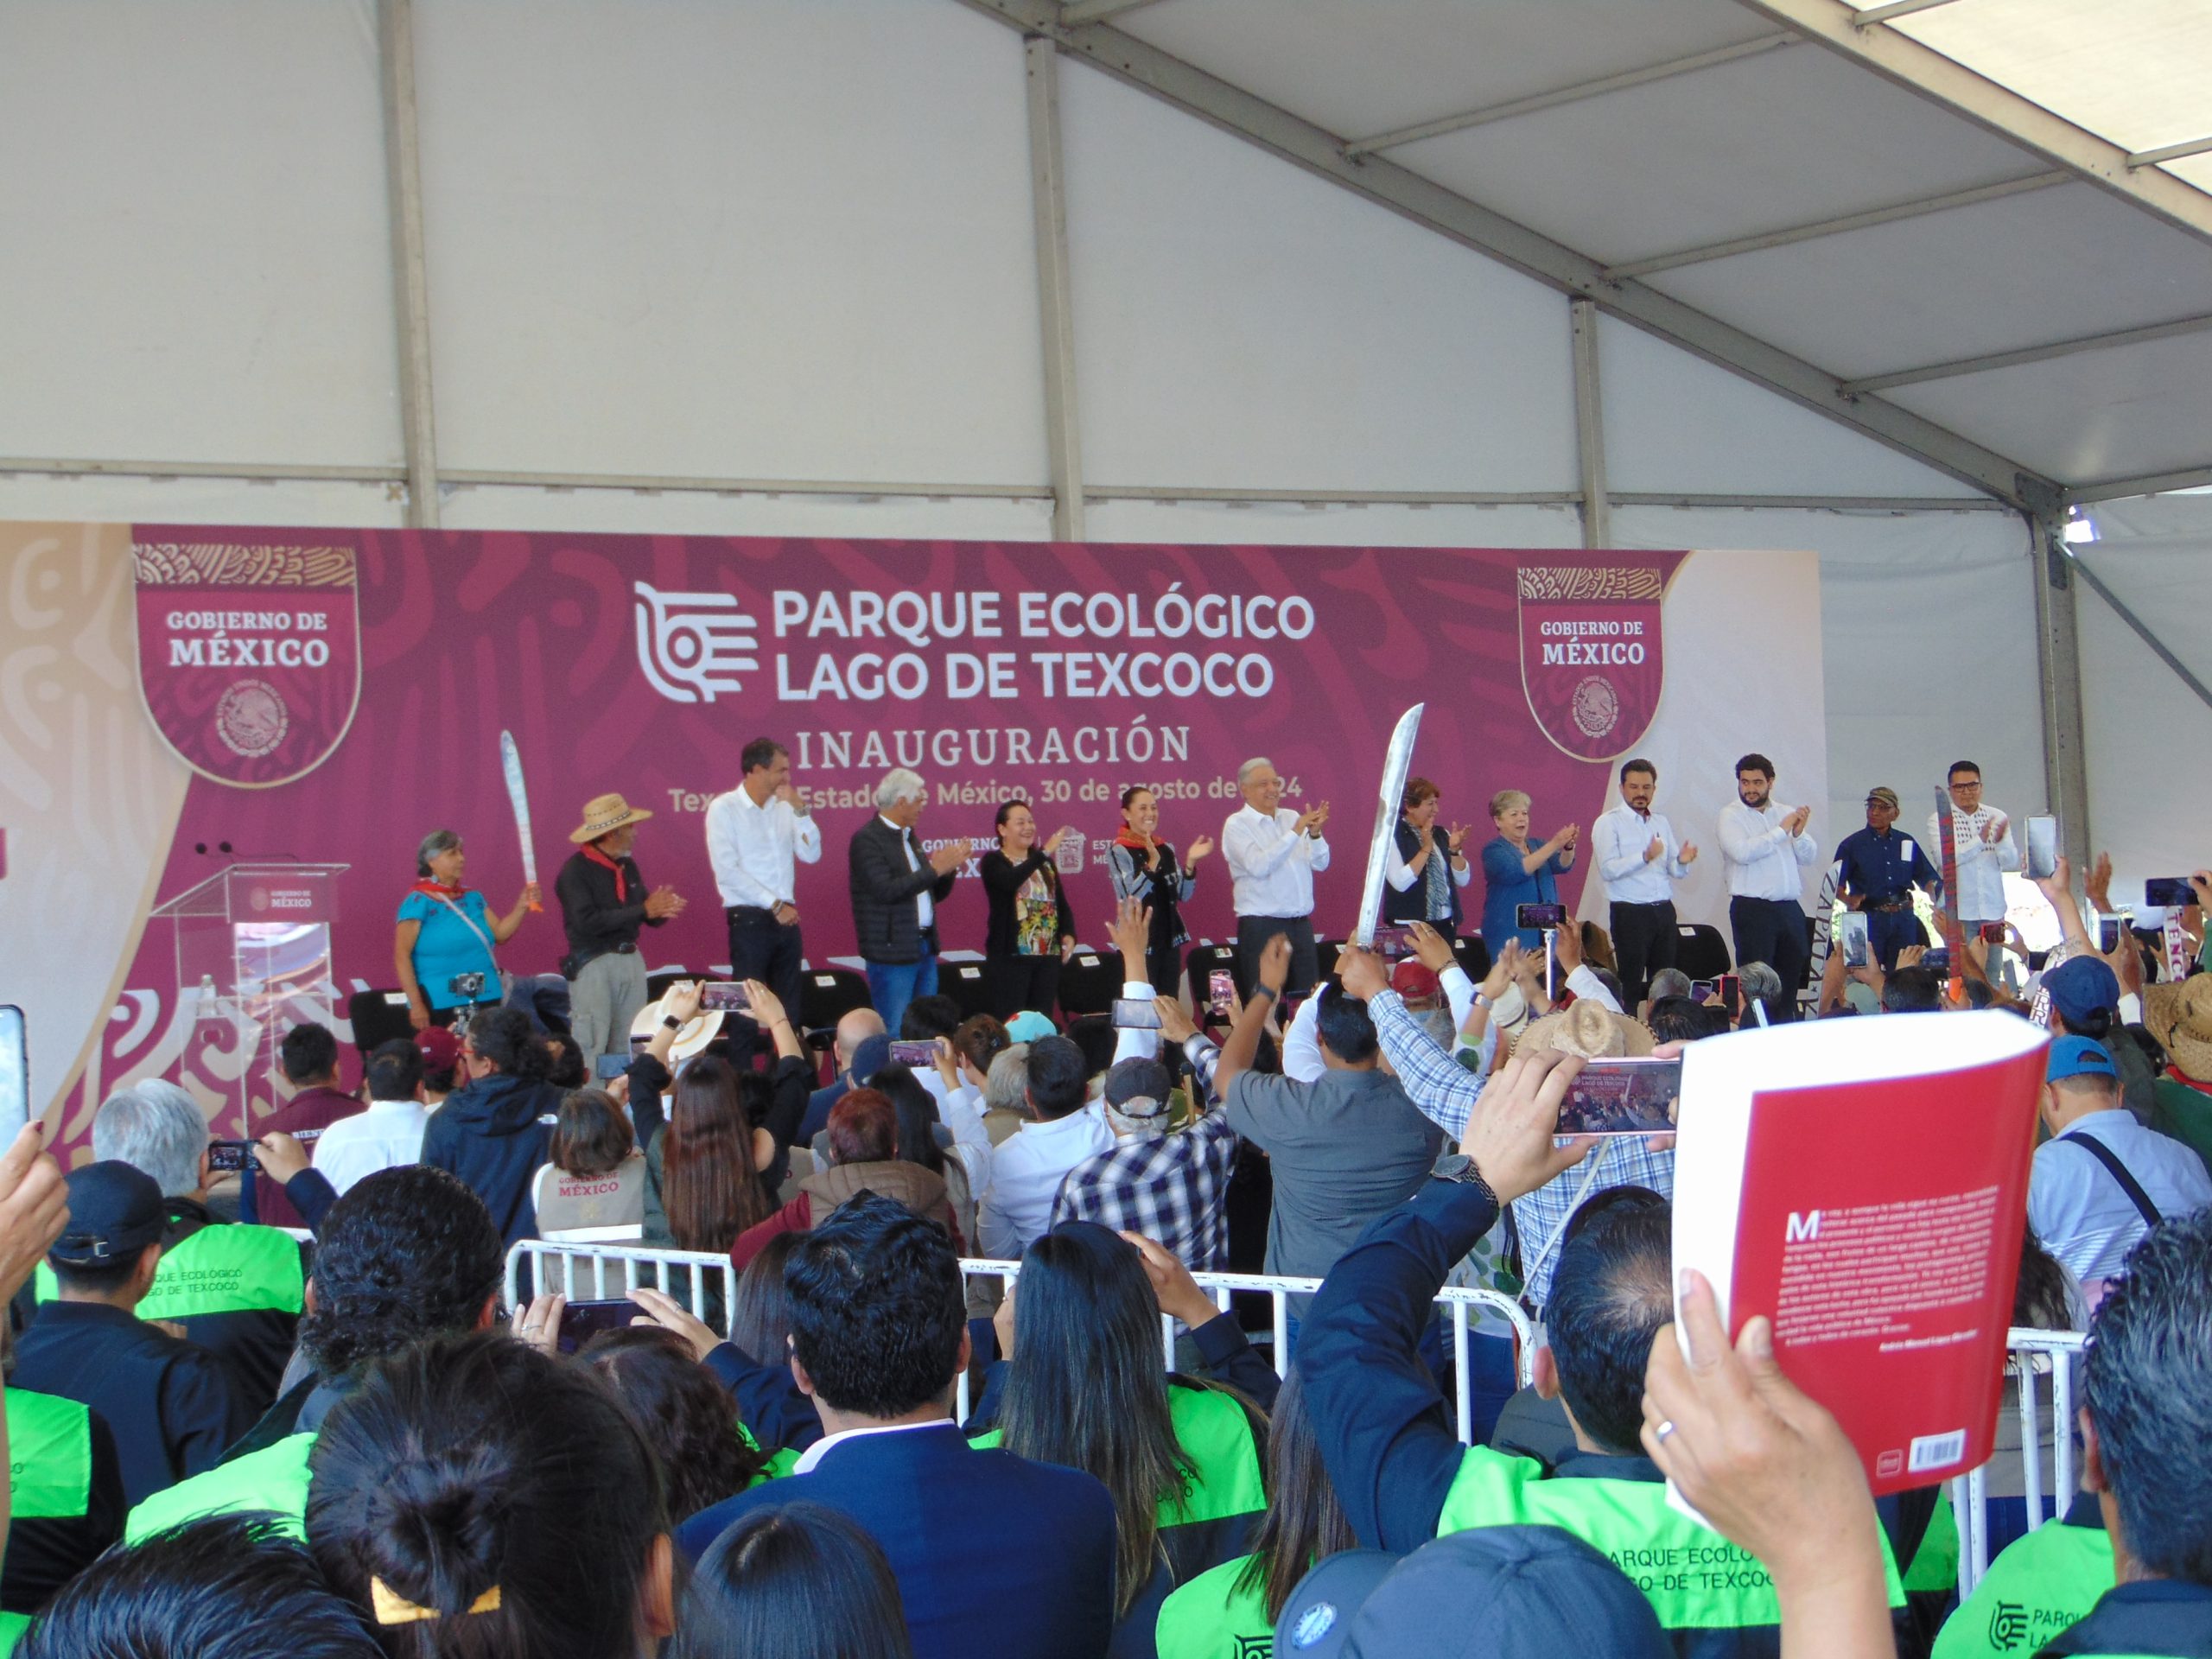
pixel 249 656
pixel 1590 662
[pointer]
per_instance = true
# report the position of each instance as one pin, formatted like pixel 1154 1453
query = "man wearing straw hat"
pixel 604 901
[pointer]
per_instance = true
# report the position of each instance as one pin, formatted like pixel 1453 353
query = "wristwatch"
pixel 1459 1169
pixel 669 1022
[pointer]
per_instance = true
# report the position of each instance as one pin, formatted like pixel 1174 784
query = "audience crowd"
pixel 300 1414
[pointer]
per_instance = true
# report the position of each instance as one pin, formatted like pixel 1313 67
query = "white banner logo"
pixel 691 645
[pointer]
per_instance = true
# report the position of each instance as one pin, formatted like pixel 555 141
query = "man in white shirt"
pixel 1272 854
pixel 1766 851
pixel 1028 1166
pixel 1640 862
pixel 1983 836
pixel 390 1132
pixel 757 835
pixel 2089 1212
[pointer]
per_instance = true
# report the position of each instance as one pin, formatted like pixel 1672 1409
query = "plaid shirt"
pixel 1446 1091
pixel 1168 1188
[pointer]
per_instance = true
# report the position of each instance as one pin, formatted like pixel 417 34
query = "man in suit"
pixel 896 888
pixel 994 1555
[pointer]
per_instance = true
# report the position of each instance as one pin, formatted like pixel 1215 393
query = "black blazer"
pixel 884 891
pixel 1002 880
pixel 1412 904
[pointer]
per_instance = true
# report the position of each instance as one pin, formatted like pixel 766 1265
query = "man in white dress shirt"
pixel 757 834
pixel 1986 849
pixel 390 1132
pixel 1767 850
pixel 1272 854
pixel 1640 860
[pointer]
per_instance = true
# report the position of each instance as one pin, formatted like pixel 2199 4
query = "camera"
pixel 468 985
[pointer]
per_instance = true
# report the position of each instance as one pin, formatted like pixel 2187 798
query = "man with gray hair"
pixel 1669 982
pixel 237 1289
pixel 1273 855
pixel 896 888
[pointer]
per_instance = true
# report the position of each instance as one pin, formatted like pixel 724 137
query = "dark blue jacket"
pixel 493 1134
pixel 1412 904
pixel 994 1555
pixel 2150 1616
pixel 170 1405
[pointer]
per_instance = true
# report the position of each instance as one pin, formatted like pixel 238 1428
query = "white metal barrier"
pixel 2035 1354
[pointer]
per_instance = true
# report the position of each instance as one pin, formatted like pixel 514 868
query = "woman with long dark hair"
pixel 1233 1608
pixel 1030 930
pixel 1084 1388
pixel 686 1416
pixel 1146 868
pixel 796 1581
pixel 703 1171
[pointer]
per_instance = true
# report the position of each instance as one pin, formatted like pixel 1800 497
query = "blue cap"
pixel 2077 1056
pixel 115 1211
pixel 2080 986
pixel 1028 1026
pixel 1494 1593
pixel 871 1054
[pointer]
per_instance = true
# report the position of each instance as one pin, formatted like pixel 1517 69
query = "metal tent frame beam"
pixel 1820 228
pixel 2117 489
pixel 1355 147
pixel 1944 81
pixel 410 279
pixel 2044 353
pixel 1293 139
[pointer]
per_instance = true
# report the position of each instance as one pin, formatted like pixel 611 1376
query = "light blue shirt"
pixel 2082 1215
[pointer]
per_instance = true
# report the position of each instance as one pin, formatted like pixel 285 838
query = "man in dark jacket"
pixel 169 1404
pixel 896 888
pixel 495 1130
pixel 879 1335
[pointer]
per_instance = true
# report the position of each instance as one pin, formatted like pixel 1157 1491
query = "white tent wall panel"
pixel 775 239
pixel 95 498
pixel 2149 788
pixel 1677 424
pixel 194 254
pixel 1377 525
pixel 1928 647
pixel 1239 323
pixel 690 512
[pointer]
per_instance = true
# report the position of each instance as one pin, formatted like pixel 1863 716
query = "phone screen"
pixel 581 1321
pixel 228 1157
pixel 1631 1096
pixel 1701 988
pixel 911 1052
pixel 1731 994
pixel 1134 1013
pixel 1850 934
pixel 2043 849
pixel 726 994
pixel 1540 916
pixel 2108 934
pixel 15 1072
pixel 1221 990
pixel 611 1066
pixel 2168 892
pixel 1393 941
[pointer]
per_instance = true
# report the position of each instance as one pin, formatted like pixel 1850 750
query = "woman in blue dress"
pixel 447 933
pixel 1516 874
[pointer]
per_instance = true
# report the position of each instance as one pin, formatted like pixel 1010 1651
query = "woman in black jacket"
pixel 1030 931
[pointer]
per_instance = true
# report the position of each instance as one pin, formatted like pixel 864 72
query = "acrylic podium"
pixel 252 960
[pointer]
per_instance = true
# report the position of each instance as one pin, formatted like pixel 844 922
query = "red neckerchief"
pixel 452 894
pixel 1134 842
pixel 622 881
pixel 2188 1082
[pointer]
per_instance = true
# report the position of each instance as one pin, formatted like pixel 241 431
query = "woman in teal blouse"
pixel 447 932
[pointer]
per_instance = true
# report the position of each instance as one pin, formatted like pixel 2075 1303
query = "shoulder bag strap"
pixel 2128 1184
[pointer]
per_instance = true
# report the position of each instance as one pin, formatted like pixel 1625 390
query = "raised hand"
pixel 1510 1138
pixel 1274 963
pixel 1361 971
pixel 950 856
pixel 663 903
pixel 1504 969
pixel 1172 1287
pixel 680 1001
pixel 1689 855
pixel 1656 849
pixel 1053 841
pixel 1131 934
pixel 2099 883
pixel 34 1206
pixel 768 1007
pixel 1433 950
pixel 1175 1024
pixel 1198 849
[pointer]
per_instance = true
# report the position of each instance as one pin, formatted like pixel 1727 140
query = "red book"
pixel 1864 1184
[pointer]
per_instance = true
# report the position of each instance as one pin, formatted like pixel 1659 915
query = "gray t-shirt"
pixel 1343 1148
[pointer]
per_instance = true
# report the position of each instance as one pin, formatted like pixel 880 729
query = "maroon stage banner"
pixel 338 694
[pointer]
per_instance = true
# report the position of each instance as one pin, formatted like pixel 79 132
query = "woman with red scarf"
pixel 1145 868
pixel 447 932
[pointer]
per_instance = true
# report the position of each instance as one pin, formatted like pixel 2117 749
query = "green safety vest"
pixel 12 1626
pixel 2038 1587
pixel 1217 1437
pixel 49 1457
pixel 1695 1579
pixel 219 1269
pixel 1213 1617
pixel 779 1463
pixel 274 1478
pixel 1936 1563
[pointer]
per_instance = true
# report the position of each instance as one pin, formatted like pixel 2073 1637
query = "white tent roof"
pixel 1954 224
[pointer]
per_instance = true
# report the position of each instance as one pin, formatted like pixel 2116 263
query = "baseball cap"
pixel 1883 793
pixel 1028 1026
pixel 115 1211
pixel 440 1048
pixel 2077 1056
pixel 2080 986
pixel 1415 979
pixel 871 1054
pixel 1494 1593
pixel 1138 1087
